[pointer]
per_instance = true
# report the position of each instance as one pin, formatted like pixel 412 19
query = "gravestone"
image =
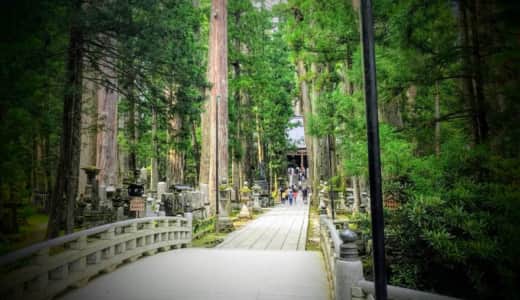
pixel 143 176
pixel 245 198
pixel 224 223
pixel 257 190
pixel 162 188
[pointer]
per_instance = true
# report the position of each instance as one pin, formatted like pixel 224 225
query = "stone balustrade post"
pixel 109 234
pixel 149 225
pixel 323 209
pixel 189 219
pixel 132 228
pixel 42 280
pixel 79 244
pixel 161 223
pixel 349 269
pixel 42 256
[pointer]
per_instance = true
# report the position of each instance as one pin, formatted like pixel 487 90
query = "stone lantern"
pixel 224 223
pixel 256 197
pixel 91 188
pixel 245 197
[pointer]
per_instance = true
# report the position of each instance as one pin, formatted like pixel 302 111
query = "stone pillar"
pixel 256 197
pixel 189 218
pixel 224 223
pixel 91 188
pixel 161 189
pixel 349 269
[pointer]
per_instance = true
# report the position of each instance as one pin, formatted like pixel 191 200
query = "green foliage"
pixel 261 83
pixel 454 227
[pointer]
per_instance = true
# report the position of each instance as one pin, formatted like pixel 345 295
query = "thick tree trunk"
pixel 89 128
pixel 107 133
pixel 196 151
pixel 122 154
pixel 217 76
pixel 473 83
pixel 132 128
pixel 319 160
pixel 357 193
pixel 205 144
pixel 39 180
pixel 175 156
pixel 65 192
pixel 259 143
pixel 307 111
pixel 154 178
pixel 478 82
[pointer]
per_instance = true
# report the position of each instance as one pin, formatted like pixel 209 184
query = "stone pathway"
pixel 205 274
pixel 282 228
pixel 229 272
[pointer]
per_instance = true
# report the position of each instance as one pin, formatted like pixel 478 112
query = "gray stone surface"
pixel 262 272
pixel 282 228
pixel 357 292
pixel 191 274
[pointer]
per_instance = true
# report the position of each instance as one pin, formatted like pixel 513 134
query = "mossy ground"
pixel 33 231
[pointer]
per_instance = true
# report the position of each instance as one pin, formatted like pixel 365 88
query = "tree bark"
pixel 132 128
pixel 175 156
pixel 318 144
pixel 473 89
pixel 217 76
pixel 205 144
pixel 196 151
pixel 307 112
pixel 154 178
pixel 356 193
pixel 478 82
pixel 64 197
pixel 107 131
pixel 88 155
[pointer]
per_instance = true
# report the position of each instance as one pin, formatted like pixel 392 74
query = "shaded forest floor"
pixel 30 233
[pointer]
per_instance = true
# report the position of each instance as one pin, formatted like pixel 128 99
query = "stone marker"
pixel 161 189
pixel 244 212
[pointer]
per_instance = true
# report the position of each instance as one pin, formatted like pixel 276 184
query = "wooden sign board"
pixel 137 204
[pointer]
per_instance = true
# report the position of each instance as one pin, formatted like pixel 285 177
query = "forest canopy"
pixel 123 85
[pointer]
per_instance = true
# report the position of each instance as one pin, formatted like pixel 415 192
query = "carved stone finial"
pixel 348 250
pixel 348 236
pixel 323 209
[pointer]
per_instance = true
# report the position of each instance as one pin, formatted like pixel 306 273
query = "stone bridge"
pixel 151 258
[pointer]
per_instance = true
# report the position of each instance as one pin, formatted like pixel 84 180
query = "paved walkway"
pixel 282 228
pixel 225 273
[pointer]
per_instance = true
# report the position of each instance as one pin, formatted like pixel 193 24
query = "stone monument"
pixel 256 197
pixel 91 188
pixel 224 223
pixel 245 198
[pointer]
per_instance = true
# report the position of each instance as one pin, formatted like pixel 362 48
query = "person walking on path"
pixel 295 194
pixel 290 195
pixel 305 193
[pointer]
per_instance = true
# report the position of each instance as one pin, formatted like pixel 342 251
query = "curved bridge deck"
pixel 238 269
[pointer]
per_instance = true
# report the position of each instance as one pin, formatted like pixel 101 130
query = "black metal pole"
pixel 217 100
pixel 374 160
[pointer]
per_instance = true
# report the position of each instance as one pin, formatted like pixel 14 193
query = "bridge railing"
pixel 346 270
pixel 46 269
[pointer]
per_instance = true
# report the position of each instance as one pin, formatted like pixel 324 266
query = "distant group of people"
pixel 301 173
pixel 292 194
